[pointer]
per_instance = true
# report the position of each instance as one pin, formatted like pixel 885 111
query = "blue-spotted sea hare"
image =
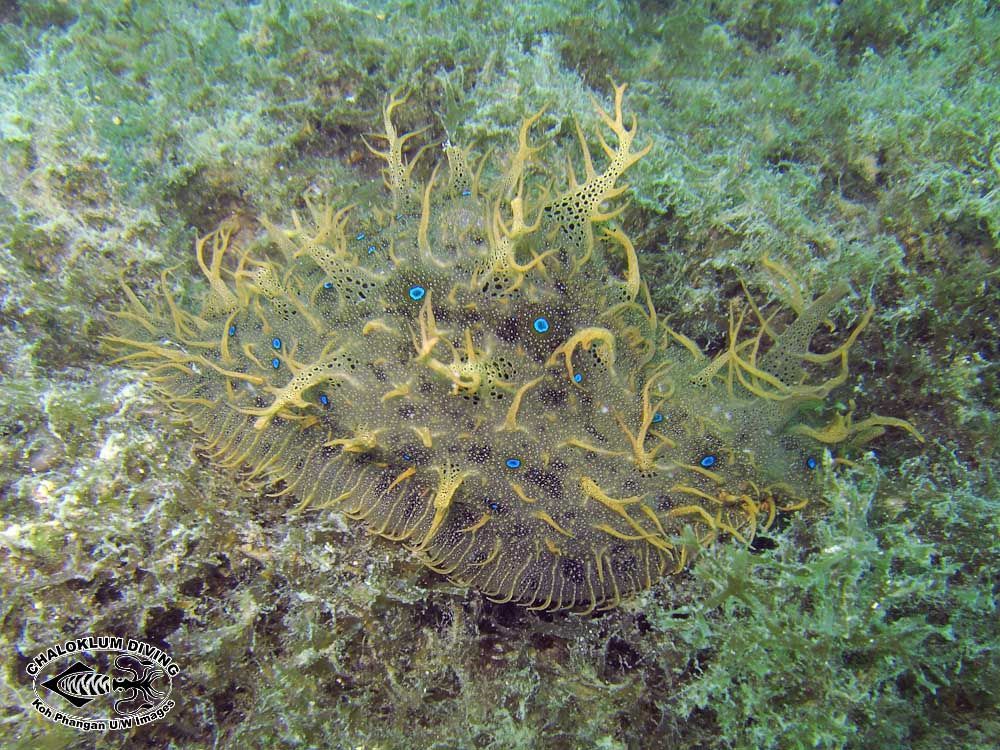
pixel 461 370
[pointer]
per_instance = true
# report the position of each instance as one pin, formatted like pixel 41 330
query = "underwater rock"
pixel 461 370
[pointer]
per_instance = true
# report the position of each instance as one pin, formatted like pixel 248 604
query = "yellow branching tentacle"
pixel 685 342
pixel 843 429
pixel 174 357
pixel 618 506
pixel 521 157
pixel 429 333
pixel 541 515
pixel 378 326
pixel 510 421
pixel 138 312
pixel 466 374
pixel 397 174
pixel 424 433
pixel 519 491
pixel 688 490
pixel 451 478
pixel 399 391
pixel 423 243
pixel 644 459
pixel 221 299
pixel 583 445
pixel 585 338
pixel 631 261
pixel 362 441
pixel 580 205
pixel 291 394
pixel 792 285
pixel 504 240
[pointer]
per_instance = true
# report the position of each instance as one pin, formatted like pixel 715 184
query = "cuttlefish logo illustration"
pixel 101 683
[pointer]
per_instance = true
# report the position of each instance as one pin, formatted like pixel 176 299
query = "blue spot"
pixel 466 193
pixel 371 249
pixel 328 285
pixel 577 378
pixel 275 363
pixel 324 399
pixel 417 292
pixel 541 325
pixel 232 330
pixel 360 236
pixel 657 417
pixel 708 461
pixel 513 463
pixel 493 505
pixel 811 463
pixel 407 457
pixel 276 343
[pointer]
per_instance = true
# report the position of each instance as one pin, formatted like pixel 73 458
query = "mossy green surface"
pixel 854 141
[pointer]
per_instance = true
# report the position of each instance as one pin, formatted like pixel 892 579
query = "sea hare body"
pixel 461 370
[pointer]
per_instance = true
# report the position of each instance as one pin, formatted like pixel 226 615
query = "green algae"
pixel 833 142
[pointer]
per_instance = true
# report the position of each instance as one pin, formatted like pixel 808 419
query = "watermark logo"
pixel 101 683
